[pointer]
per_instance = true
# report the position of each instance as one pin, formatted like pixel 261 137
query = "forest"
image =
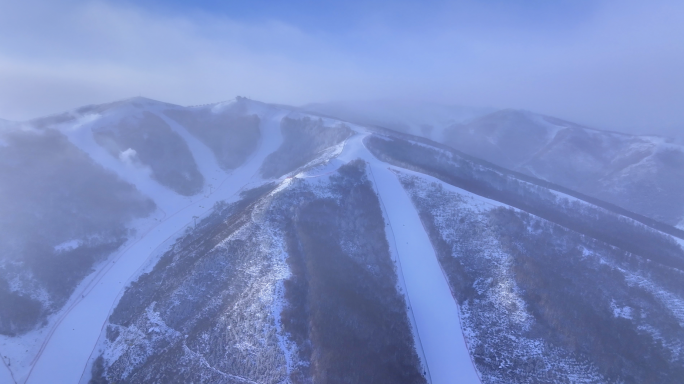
pixel 545 303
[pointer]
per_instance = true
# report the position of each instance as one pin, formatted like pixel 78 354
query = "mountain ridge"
pixel 254 244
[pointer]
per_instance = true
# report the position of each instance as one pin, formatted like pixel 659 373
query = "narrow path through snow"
pixel 434 308
pixel 204 158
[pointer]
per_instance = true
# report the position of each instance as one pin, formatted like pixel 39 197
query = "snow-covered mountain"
pixel 644 174
pixel 245 242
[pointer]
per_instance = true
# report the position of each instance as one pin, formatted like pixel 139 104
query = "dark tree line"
pixel 571 303
pixel 569 294
pixel 344 310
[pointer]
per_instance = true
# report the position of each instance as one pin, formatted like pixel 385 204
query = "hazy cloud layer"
pixel 613 64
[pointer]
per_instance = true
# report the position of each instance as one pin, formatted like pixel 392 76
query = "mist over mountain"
pixel 441 191
pixel 249 242
pixel 641 173
pixel 418 118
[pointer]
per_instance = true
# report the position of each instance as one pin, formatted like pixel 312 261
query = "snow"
pixel 39 356
pixel 561 195
pixel 551 128
pixel 401 286
pixel 80 134
pixel 68 245
pixel 434 308
pixel 678 240
pixel 618 311
pixel 128 156
pixel 205 159
pixel 475 201
pixel 5 374
pixel 681 225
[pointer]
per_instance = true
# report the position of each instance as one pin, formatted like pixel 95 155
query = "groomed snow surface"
pixel 434 309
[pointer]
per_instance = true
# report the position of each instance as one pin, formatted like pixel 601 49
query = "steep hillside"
pixel 304 140
pixel 553 288
pixel 542 303
pixel 644 174
pixel 91 193
pixel 60 213
pixel 244 242
pixel 230 131
pixel 296 285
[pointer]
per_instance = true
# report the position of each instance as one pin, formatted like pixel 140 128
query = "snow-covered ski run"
pixel 78 326
pixel 433 307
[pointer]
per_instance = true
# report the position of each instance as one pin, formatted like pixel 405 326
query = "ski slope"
pixel 434 308
pixel 77 327
pixel 205 159
pixel 40 356
pixel 80 134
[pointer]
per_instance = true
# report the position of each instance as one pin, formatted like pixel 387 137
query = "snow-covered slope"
pixel 538 279
pixel 434 309
pixel 246 242
pixel 89 314
pixel 85 303
pixel 640 173
pixel 328 333
pixel 644 174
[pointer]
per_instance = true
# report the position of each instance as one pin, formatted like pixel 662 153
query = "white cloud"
pixel 617 67
pixel 99 52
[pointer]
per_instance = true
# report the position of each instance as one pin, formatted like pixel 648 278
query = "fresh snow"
pixel 619 311
pixel 39 357
pixel 401 286
pixel 5 374
pixel 80 134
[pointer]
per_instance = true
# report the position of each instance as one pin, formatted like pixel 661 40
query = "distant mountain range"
pixel 243 242
pixel 644 174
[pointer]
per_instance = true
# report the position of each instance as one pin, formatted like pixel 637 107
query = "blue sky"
pixel 608 63
pixel 335 17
